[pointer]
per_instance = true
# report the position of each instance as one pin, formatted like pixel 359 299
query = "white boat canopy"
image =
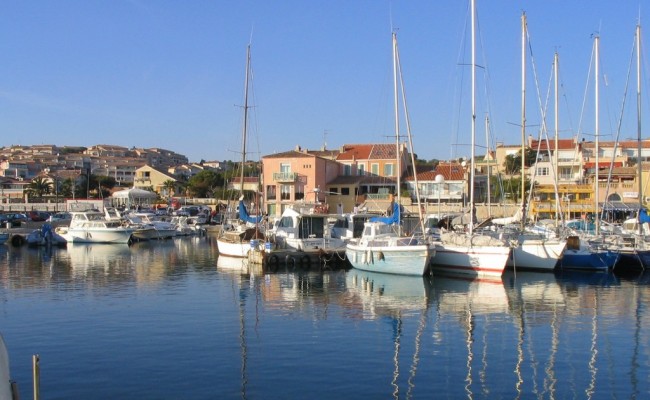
pixel 133 197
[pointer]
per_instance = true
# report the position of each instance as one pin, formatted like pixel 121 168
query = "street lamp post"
pixel 439 180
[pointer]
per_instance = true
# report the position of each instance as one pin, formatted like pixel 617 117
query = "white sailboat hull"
pixel 232 248
pixel 400 260
pixel 475 261
pixel 537 254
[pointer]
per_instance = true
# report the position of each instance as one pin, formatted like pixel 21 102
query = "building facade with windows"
pixel 294 176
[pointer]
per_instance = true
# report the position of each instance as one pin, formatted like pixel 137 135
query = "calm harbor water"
pixel 171 320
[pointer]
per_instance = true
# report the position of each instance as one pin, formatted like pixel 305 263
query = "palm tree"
pixel 169 185
pixel 39 186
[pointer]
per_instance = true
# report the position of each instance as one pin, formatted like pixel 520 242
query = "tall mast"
pixel 489 170
pixel 245 125
pixel 471 170
pixel 523 119
pixel 597 128
pixel 638 123
pixel 398 168
pixel 557 136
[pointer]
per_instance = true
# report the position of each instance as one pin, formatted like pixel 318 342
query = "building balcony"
pixel 285 176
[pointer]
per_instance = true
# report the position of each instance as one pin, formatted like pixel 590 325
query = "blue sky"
pixel 156 73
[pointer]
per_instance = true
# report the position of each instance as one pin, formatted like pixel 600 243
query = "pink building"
pixel 341 179
pixel 293 176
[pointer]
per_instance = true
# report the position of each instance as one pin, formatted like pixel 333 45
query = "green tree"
pixel 204 183
pixel 39 187
pixel 66 188
pixel 512 162
pixel 170 186
pixel 103 185
pixel 507 189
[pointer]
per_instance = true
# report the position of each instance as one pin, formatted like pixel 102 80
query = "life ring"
pixel 17 240
pixel 305 261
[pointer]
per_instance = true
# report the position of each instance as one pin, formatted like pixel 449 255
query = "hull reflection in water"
pixel 395 298
pixel 157 304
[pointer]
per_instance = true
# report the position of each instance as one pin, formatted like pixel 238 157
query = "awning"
pixel 602 164
pixel 619 206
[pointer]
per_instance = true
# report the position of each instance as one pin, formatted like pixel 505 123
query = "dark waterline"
pixel 169 320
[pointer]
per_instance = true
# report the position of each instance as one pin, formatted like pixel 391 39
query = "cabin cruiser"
pixel 162 229
pixel 93 227
pixel 301 228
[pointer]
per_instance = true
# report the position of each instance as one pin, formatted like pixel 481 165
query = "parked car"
pixel 188 211
pixel 38 216
pixel 10 220
pixel 60 216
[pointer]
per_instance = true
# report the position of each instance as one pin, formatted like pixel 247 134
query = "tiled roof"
pixel 627 144
pixel 290 154
pixel 450 171
pixel 355 151
pixel 378 151
pixel 562 144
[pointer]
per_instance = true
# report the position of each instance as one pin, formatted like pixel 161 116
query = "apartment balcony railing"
pixel 285 176
pixel 378 196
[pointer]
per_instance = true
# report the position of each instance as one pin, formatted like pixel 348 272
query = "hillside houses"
pixel 362 175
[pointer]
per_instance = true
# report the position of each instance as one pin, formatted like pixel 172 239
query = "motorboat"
pixel 303 229
pixel 93 227
pixel 162 229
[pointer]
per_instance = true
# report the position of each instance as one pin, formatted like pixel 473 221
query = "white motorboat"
pixel 304 230
pixel 93 227
pixel 162 229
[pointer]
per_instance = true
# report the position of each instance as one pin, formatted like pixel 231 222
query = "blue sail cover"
pixel 643 216
pixel 243 214
pixel 391 219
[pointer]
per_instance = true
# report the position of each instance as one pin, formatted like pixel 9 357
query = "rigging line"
pixel 584 97
pixel 618 127
pixel 543 109
pixel 458 92
pixel 486 73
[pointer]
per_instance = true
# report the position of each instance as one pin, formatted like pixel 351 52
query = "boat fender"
pixel 290 261
pixel 372 257
pixel 272 260
pixel 17 240
pixel 305 261
pixel 380 256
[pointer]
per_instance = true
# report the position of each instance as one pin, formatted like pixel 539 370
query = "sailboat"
pixel 532 251
pixel 381 248
pixel 634 249
pixel 470 253
pixel 236 240
pixel 581 253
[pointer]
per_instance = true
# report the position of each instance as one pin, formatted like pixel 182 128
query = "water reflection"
pixel 394 298
pixel 565 335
